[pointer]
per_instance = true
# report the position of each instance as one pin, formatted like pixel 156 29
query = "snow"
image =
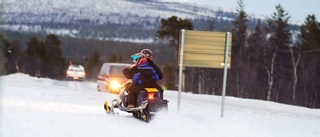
pixel 38 107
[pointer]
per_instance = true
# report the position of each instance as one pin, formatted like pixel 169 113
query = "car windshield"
pixel 116 71
pixel 76 68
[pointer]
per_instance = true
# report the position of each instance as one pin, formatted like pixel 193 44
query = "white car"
pixel 111 78
pixel 76 72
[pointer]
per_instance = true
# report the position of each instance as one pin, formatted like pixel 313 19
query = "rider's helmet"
pixel 148 53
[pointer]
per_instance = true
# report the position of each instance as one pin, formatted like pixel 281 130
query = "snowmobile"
pixel 148 102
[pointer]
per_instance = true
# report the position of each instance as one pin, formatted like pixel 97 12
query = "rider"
pixel 149 55
pixel 144 73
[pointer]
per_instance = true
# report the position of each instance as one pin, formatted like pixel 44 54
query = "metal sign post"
pixel 225 74
pixel 180 67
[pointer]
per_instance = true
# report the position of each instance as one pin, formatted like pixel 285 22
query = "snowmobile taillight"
pixel 151 96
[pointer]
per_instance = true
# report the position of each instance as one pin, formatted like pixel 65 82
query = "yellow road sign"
pixel 205 49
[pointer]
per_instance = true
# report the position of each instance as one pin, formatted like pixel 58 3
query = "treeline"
pixel 268 62
pixel 51 57
pixel 40 59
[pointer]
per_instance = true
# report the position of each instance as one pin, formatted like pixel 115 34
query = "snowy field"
pixel 40 107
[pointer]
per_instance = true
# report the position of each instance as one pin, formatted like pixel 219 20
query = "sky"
pixel 297 9
pixel 42 107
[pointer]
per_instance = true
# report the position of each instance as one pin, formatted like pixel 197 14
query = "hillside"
pixel 130 20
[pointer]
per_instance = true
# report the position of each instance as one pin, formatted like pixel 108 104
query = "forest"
pixel 269 62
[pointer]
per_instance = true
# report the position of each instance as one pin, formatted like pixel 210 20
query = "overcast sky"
pixel 297 9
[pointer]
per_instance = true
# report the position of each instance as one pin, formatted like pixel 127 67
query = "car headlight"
pixel 115 85
pixel 83 73
pixel 69 72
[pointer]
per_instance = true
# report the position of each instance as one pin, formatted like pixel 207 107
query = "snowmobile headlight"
pixel 115 85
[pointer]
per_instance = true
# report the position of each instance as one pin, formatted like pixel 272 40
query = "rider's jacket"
pixel 145 74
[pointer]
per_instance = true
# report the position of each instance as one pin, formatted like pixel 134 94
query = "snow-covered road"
pixel 33 107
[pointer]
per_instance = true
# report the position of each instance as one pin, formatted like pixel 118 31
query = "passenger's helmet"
pixel 139 59
pixel 148 53
pixel 135 57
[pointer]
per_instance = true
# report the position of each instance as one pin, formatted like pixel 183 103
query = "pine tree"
pixel 2 57
pixel 170 29
pixel 278 28
pixel 36 57
pixel 238 70
pixel 10 53
pixel 17 54
pixel 2 64
pixel 2 49
pixel 257 79
pixel 278 57
pixel 55 64
pixel 240 30
pixel 310 37
pixel 310 46
pixel 93 65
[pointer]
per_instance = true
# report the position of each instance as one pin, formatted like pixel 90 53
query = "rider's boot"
pixel 130 106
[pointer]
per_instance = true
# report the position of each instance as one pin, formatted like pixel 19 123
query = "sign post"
pixel 180 66
pixel 205 49
pixel 225 67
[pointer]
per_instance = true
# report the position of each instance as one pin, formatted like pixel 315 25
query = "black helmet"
pixel 148 53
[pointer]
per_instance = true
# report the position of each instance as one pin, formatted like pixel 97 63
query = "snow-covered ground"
pixel 41 107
